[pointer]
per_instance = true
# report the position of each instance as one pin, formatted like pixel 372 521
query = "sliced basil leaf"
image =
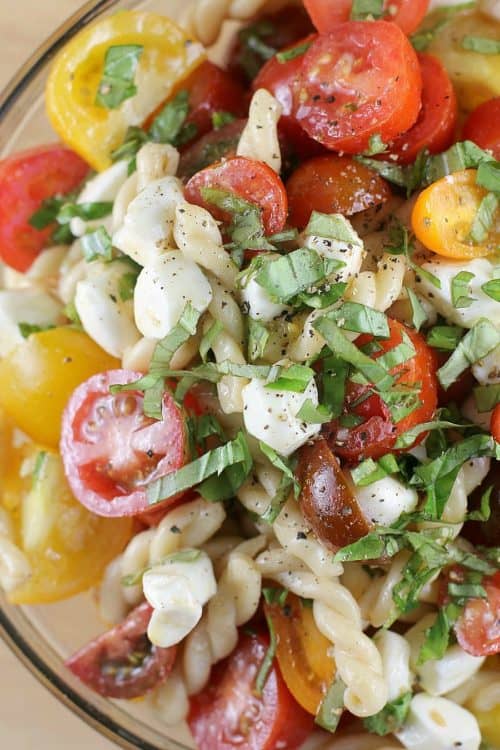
pixel 406 439
pixel 401 401
pixel 325 297
pixel 169 125
pixel 391 717
pixel 267 663
pixel 47 213
pixel 295 378
pixel 488 176
pixel 293 52
pixel 332 706
pixel 370 471
pixel 460 289
pixel 71 313
pixel 419 316
pixel 246 228
pixel 399 354
pixel 331 227
pixel 258 336
pixel 313 414
pixel 487 396
pixel 86 211
pixel 285 277
pixel 215 462
pixel 481 339
pixel 333 379
pixel 484 512
pixel 376 145
pixel 279 462
pixel 437 636
pixel 484 218
pixel 209 337
pixel 221 118
pixel 492 289
pixel 134 138
pixel 482 44
pixel 126 285
pixel 370 547
pixel 26 329
pixel 117 82
pixel 460 156
pixel 363 9
pixel 97 245
pixel 343 348
pixel 274 595
pixel 446 338
pixel 359 318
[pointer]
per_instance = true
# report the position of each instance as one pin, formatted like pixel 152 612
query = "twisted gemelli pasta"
pixel 155 160
pixel 229 387
pixel 224 308
pixel 259 139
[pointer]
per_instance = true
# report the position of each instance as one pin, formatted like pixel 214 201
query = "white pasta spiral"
pixel 156 160
pixel 229 387
pixel 204 18
pixel 259 139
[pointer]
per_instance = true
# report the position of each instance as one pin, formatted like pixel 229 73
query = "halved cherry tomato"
pixel 302 652
pixel 210 90
pixel 437 119
pixel 327 14
pixel 478 627
pixel 26 179
pixel 229 713
pixel 360 80
pixel 252 180
pixel 495 423
pixel 67 547
pixel 443 215
pixel 111 450
pixel 123 663
pixel 211 148
pixel 326 499
pixel 38 377
pixel 333 184
pixel 483 126
pixel 168 56
pixel 256 43
pixel 377 434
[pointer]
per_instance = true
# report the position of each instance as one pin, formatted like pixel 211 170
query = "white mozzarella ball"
pixel 439 724
pixel 105 316
pixel 395 653
pixel 177 589
pixel 350 252
pixel 257 301
pixel 382 502
pixel 271 416
pixel 147 227
pixel 24 306
pixel 487 370
pixel 445 270
pixel 103 187
pixel 439 676
pixel 164 287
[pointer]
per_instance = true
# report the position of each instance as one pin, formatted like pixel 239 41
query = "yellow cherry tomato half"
pixel 302 652
pixel 443 215
pixel 67 547
pixel 93 131
pixel 39 375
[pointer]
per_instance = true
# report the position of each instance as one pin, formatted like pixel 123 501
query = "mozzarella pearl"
pixel 382 502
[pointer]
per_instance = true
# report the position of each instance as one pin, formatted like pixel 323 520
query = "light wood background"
pixel 30 718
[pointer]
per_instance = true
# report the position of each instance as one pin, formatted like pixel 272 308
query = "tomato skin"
pixel 478 627
pixel 495 423
pixel 37 378
pixel 252 180
pixel 211 148
pixel 437 119
pixel 210 89
pixel 26 179
pixel 327 14
pixel 483 126
pixel 112 649
pixel 333 184
pixel 228 714
pixel 359 80
pixel 326 500
pixel 111 450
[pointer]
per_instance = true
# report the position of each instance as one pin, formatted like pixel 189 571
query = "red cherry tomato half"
pixel 436 123
pixel 483 126
pixel 211 148
pixel 377 433
pixel 230 714
pixel 360 80
pixel 478 627
pixel 333 184
pixel 111 451
pixel 211 90
pixel 495 423
pixel 252 180
pixel 26 180
pixel 327 14
pixel 123 663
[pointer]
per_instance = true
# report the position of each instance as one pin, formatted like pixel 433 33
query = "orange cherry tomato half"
pixel 302 651
pixel 443 215
pixel 359 80
pixel 495 423
pixel 26 179
pixel 326 14
pixel 252 180
pixel 333 184
pixel 483 126
pixel 437 119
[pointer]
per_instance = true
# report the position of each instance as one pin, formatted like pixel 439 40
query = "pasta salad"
pixel 250 369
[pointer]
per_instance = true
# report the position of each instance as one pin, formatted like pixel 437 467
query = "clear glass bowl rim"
pixel 9 633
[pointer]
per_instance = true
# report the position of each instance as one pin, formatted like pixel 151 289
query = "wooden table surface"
pixel 30 718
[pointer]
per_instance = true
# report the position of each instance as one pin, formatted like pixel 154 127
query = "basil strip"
pixel 97 245
pixel 258 336
pixel 446 338
pixel 460 289
pixel 285 277
pixel 407 439
pixel 419 316
pixel 437 636
pixel 85 211
pixel 246 228
pixel 488 176
pixel 343 348
pixel 333 380
pixel 332 706
pixel 293 52
pixel 492 289
pixel 212 463
pixel 370 471
pixel 126 285
pixel 295 378
pixel 26 329
pixel 331 227
pixel 221 118
pixel 460 156
pixel 359 318
pixel 208 339
pixel 399 354
pixel 169 126
pixel 134 138
pixel 391 717
pixel 484 218
pixel 267 663
pixel 477 343
pixel 487 396
pixel 117 83
pixel 363 9
pixel 482 44
pixel 311 413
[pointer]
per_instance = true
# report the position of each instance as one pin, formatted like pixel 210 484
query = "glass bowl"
pixel 43 636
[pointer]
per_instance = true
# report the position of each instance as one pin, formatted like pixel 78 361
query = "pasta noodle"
pixel 259 139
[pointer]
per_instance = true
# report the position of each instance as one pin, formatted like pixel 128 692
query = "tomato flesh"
pixel 435 127
pixel 111 451
pixel 478 628
pixel 252 180
pixel 327 14
pixel 483 126
pixel 123 663
pixel 229 714
pixel 26 180
pixel 333 184
pixel 360 80
pixel 495 423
